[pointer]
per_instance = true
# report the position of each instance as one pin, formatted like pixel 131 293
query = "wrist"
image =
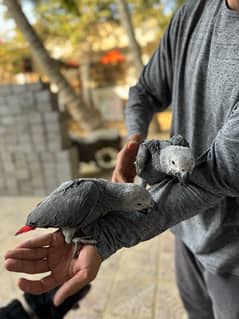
pixel 137 138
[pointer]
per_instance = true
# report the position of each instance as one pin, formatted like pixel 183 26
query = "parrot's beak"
pixel 146 211
pixel 149 209
pixel 183 178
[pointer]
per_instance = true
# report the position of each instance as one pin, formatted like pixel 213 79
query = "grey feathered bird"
pixel 158 158
pixel 77 203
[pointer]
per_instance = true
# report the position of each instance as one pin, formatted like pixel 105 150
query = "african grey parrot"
pixel 77 203
pixel 158 158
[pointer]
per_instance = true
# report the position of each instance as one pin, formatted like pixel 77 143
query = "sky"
pixel 168 6
pixel 7 26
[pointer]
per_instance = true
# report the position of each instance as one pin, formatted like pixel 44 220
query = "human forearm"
pixel 174 203
pixel 153 91
pixel 215 177
pixel 138 114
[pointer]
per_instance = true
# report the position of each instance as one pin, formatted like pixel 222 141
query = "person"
pixel 195 70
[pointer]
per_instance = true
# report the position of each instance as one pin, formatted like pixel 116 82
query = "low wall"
pixel 35 152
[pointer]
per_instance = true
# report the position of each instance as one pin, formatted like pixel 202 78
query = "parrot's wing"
pixel 178 140
pixel 62 188
pixel 65 185
pixel 81 203
pixel 74 205
pixel 142 158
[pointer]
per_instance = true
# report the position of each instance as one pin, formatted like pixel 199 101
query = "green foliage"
pixel 77 15
pixel 81 21
pixel 143 10
pixel 176 4
pixel 12 53
pixel 180 2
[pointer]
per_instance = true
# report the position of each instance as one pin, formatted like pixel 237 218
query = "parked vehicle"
pixel 100 146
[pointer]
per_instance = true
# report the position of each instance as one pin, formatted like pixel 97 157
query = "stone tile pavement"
pixel 136 283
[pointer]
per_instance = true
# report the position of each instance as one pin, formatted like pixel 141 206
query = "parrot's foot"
pixel 143 183
pixel 68 234
pixel 79 241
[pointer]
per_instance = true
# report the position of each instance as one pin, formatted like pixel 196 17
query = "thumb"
pixel 132 147
pixel 70 287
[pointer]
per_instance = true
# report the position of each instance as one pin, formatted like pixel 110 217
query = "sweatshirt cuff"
pixel 96 232
pixel 137 138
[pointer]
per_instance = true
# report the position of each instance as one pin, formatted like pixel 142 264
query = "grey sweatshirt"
pixel 196 70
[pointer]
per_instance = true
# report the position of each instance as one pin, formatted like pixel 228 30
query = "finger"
pixel 40 241
pixel 119 178
pixel 132 147
pixel 27 267
pixel 27 253
pixel 70 287
pixel 38 286
pixel 113 177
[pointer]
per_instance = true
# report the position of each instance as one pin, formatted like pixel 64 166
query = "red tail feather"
pixel 24 229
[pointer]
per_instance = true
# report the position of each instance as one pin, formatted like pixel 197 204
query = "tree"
pixel 72 20
pixel 126 22
pixel 88 119
pixel 175 4
pixel 179 3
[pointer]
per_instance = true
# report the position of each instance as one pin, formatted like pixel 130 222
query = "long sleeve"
pixel 153 91
pixel 215 177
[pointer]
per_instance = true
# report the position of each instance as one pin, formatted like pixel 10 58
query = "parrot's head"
pixel 131 197
pixel 177 161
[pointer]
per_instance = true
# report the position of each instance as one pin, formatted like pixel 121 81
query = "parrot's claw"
pixel 143 183
pixel 79 241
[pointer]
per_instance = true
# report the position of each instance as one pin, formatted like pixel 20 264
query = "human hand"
pixel 125 171
pixel 51 253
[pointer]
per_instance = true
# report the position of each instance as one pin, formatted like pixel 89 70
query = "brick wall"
pixel 35 152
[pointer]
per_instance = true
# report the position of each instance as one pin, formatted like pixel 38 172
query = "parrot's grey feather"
pixel 76 204
pixel 143 157
pixel 157 159
pixel 148 163
pixel 74 197
pixel 179 140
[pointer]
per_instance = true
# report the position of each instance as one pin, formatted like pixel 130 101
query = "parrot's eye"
pixel 173 162
pixel 139 204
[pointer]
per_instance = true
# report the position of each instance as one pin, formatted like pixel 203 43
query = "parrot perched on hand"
pixel 77 203
pixel 158 158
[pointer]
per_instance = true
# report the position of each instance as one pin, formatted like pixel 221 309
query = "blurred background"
pixel 65 70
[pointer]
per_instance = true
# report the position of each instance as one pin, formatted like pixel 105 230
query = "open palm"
pixel 50 253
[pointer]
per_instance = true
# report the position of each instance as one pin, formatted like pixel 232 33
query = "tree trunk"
pixel 85 83
pixel 88 119
pixel 85 76
pixel 127 24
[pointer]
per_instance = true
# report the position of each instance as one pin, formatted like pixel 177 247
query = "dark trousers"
pixel 205 295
